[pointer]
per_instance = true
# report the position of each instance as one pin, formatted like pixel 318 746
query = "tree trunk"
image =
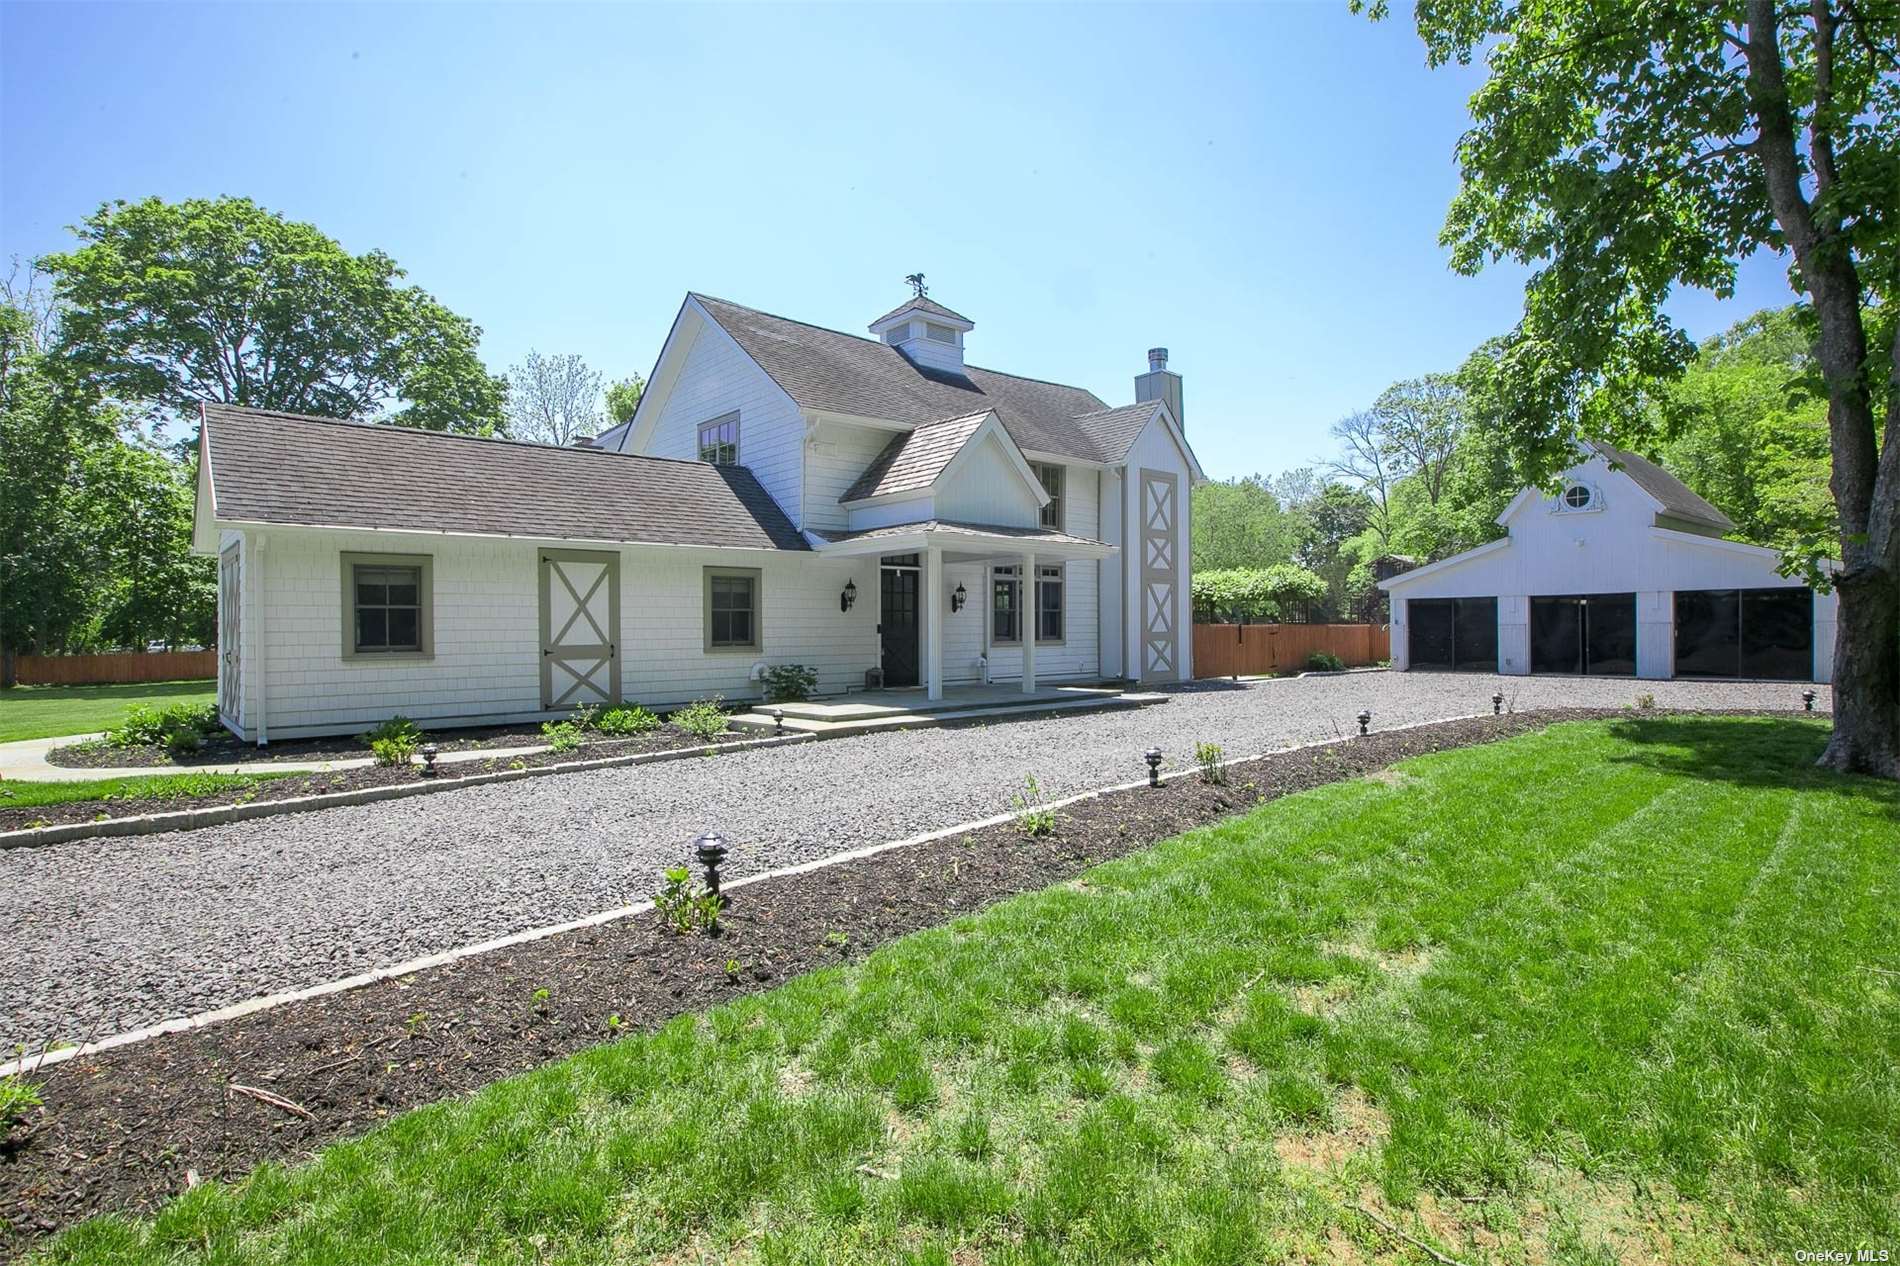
pixel 9 669
pixel 1866 677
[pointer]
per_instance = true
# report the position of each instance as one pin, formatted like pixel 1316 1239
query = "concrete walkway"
pixel 25 761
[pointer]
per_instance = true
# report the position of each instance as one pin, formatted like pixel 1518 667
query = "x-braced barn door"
pixel 580 616
pixel 1160 576
pixel 230 593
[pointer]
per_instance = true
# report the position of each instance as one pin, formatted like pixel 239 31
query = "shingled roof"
pixel 288 468
pixel 1678 500
pixel 842 373
pixel 914 459
pixel 921 304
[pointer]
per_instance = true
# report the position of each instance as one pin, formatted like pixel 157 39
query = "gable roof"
pixel 1677 499
pixel 289 468
pixel 843 373
pixel 921 304
pixel 913 460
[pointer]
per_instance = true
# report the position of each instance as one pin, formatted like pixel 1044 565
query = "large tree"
pixel 553 399
pixel 1238 523
pixel 1625 148
pixel 623 397
pixel 219 299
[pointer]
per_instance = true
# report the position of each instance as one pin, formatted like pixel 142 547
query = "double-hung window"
pixel 386 604
pixel 1048 604
pixel 1050 477
pixel 732 609
pixel 719 440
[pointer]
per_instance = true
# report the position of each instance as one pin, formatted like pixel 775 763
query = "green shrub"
pixel 1209 757
pixel 18 1096
pixel 145 726
pixel 790 683
pixel 702 718
pixel 684 906
pixel 398 728
pixel 562 736
pixel 586 717
pixel 633 720
pixel 183 740
pixel 394 751
pixel 1325 662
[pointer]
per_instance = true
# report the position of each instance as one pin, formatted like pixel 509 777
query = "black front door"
pixel 897 625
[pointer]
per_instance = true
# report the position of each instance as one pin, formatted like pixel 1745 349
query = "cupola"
pixel 927 333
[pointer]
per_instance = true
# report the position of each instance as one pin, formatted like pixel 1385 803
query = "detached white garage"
pixel 1623 573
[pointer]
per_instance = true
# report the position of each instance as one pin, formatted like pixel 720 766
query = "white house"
pixel 1625 572
pixel 784 494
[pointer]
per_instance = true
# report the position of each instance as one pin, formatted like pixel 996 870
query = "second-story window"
pixel 1050 477
pixel 719 440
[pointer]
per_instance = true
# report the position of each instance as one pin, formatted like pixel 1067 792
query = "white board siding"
pixel 718 378
pixel 1156 450
pixel 1079 657
pixel 486 629
pixel 986 486
pixel 833 462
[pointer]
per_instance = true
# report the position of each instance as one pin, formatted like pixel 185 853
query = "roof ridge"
pixel 1117 408
pixel 813 325
pixel 394 429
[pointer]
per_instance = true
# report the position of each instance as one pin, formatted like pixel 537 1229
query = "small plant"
pixel 685 907
pixel 1210 758
pixel 623 721
pixel 1325 662
pixel 702 718
pixel 732 969
pixel 393 751
pixel 586 716
pixel 837 939
pixel 183 739
pixel 415 1022
pixel 1646 702
pixel 145 726
pixel 18 1096
pixel 1033 817
pixel 562 736
pixel 790 683
pixel 399 728
pixel 615 1023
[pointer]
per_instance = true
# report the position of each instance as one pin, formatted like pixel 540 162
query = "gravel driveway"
pixel 111 934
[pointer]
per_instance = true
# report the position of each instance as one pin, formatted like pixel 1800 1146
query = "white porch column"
pixel 1028 619
pixel 933 599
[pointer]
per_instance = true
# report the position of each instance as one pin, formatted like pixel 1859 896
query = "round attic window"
pixel 1578 497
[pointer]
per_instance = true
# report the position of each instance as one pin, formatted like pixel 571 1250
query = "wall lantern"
pixel 957 598
pixel 849 597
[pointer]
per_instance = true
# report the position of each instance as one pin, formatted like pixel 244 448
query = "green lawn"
pixel 29 712
pixel 16 793
pixel 1618 990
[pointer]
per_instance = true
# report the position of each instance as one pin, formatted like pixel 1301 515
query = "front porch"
pixel 917 554
pixel 912 708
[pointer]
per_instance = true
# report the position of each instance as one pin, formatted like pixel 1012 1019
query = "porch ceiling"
pixel 959 541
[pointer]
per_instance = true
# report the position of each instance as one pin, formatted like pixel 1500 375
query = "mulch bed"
pixel 120 1130
pixel 290 786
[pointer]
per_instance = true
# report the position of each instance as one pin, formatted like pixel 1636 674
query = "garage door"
pixel 1452 634
pixel 1588 634
pixel 1745 633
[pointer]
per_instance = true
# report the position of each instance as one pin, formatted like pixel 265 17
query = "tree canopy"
pixel 553 399
pixel 220 299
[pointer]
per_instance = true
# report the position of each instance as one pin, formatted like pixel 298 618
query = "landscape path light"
pixel 1497 704
pixel 1365 719
pixel 1807 699
pixel 1153 757
pixel 710 850
pixel 778 721
pixel 429 752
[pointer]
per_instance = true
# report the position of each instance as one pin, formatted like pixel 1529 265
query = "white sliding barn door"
pixel 580 616
pixel 1159 508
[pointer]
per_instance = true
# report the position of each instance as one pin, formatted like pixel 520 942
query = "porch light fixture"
pixel 1153 757
pixel 430 751
pixel 1365 719
pixel 1497 704
pixel 957 598
pixel 709 850
pixel 849 597
pixel 1807 699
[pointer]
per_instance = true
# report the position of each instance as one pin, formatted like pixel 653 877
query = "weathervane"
pixel 916 283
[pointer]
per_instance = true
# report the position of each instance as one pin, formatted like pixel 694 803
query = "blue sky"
pixel 1257 188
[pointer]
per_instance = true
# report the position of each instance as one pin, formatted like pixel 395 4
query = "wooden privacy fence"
pixel 1227 650
pixel 123 666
